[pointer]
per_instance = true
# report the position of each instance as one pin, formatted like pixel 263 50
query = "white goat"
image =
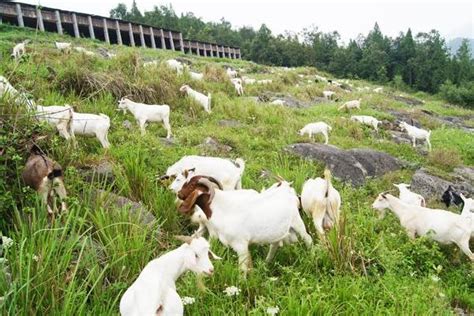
pixel 58 116
pixel 349 105
pixel 237 82
pixel 239 219
pixel 321 202
pixel 315 128
pixel 204 101
pixel 63 47
pixel 19 50
pixel 440 225
pixel 175 65
pixel 46 177
pixel 416 133
pixel 154 291
pixel 328 94
pixel 144 113
pixel 228 173
pixel 378 90
pixel 84 51
pixel 410 197
pixel 248 80
pixel 196 75
pixel 468 211
pixel 92 125
pixel 264 81
pixel 150 64
pixel 278 102
pixel 366 120
pixel 321 78
pixel 231 73
pixel 7 88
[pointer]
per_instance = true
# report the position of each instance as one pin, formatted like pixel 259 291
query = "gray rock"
pixel 103 172
pixel 431 186
pixel 405 117
pixel 407 100
pixel 127 124
pixel 229 123
pixel 348 165
pixel 113 201
pixel 466 173
pixel 211 144
pixel 400 137
pixel 168 141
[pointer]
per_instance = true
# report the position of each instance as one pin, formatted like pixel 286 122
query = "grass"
pixel 82 262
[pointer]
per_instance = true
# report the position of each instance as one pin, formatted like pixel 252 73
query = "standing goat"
pixel 410 197
pixel 349 105
pixel 63 47
pixel 46 177
pixel 237 82
pixel 144 113
pixel 416 133
pixel 440 225
pixel 328 94
pixel 468 211
pixel 204 101
pixel 92 125
pixel 239 219
pixel 19 50
pixel 154 291
pixel 315 128
pixel 321 202
pixel 366 120
pixel 450 196
pixel 58 116
pixel 175 65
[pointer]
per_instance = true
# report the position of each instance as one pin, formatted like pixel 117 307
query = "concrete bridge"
pixel 109 30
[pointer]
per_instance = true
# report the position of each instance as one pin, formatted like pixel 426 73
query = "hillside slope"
pixel 82 262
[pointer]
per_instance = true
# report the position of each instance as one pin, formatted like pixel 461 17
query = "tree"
pixel 120 12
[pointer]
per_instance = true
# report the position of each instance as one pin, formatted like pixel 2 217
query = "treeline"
pixel 420 62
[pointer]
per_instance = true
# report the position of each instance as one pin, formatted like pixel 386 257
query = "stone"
pixel 102 172
pixel 211 144
pixel 407 100
pixel 127 124
pixel 431 186
pixel 353 166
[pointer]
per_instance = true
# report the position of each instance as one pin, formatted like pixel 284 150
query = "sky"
pixel 453 18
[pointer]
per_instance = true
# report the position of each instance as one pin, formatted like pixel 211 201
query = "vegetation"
pixel 421 61
pixel 81 262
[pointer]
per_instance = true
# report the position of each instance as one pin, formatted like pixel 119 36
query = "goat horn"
pixel 207 183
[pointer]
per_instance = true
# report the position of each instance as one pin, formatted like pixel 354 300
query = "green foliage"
pixel 463 94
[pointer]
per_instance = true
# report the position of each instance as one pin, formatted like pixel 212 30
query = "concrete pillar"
pixel 59 26
pixel 39 19
pixel 19 15
pixel 190 47
pixel 216 50
pixel 119 34
pixel 205 50
pixel 233 53
pixel 171 40
pixel 142 36
pixel 75 26
pixel 198 49
pixel 162 37
pixel 91 27
pixel 106 31
pixel 223 51
pixel 152 37
pixel 130 34
pixel 240 54
pixel 181 43
pixel 211 51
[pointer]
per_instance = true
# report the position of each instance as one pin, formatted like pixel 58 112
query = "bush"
pixel 462 95
pixel 445 159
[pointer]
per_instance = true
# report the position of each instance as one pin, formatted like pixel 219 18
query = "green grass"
pixel 87 257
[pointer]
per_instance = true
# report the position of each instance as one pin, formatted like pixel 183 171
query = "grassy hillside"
pixel 82 262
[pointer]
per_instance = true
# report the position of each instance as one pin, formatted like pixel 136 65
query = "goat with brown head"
pixel 199 190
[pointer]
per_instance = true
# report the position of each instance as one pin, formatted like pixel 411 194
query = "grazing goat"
pixel 204 101
pixel 349 105
pixel 154 291
pixel 239 219
pixel 416 133
pixel 228 173
pixel 19 50
pixel 175 65
pixel 6 88
pixel 450 196
pixel 144 113
pixel 440 225
pixel 63 47
pixel 328 94
pixel 196 75
pixel 315 128
pixel 150 64
pixel 248 80
pixel 278 102
pixel 366 120
pixel 84 51
pixel 231 73
pixel 264 81
pixel 410 197
pixel 237 82
pixel 46 177
pixel 378 90
pixel 321 202
pixel 58 116
pixel 321 78
pixel 92 125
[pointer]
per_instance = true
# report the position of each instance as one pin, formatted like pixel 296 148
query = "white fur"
pixel 366 120
pixel 410 197
pixel 416 133
pixel 315 128
pixel 57 116
pixel 328 94
pixel 19 50
pixel 353 104
pixel 84 51
pixel 92 125
pixel 237 82
pixel 175 65
pixel 196 75
pixel 204 101
pixel 63 47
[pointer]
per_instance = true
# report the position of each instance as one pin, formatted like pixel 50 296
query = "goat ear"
pixel 190 201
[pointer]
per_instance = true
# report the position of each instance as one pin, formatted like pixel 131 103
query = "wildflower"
pixel 7 242
pixel 232 291
pixel 35 258
pixel 273 278
pixel 435 278
pixel 441 294
pixel 188 300
pixel 273 310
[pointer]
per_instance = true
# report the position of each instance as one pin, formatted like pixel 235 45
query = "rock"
pixel 348 165
pixel 405 117
pixel 431 186
pixel 103 172
pixel 466 173
pixel 288 100
pixel 211 144
pixel 127 124
pixel 407 100
pixel 229 123
pixel 168 141
pixel 400 137
pixel 113 201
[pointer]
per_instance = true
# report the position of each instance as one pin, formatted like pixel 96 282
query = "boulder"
pixel 431 186
pixel 348 165
pixel 113 201
pixel 407 100
pixel 102 172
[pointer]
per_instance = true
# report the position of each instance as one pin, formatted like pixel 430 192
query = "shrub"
pixel 462 95
pixel 446 159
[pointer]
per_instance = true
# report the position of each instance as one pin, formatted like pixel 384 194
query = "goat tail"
pixel 327 177
pixel 240 164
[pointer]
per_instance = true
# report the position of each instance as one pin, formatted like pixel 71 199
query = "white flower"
pixel 188 300
pixel 273 310
pixel 7 242
pixel 273 278
pixel 441 294
pixel 435 278
pixel 35 258
pixel 232 291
